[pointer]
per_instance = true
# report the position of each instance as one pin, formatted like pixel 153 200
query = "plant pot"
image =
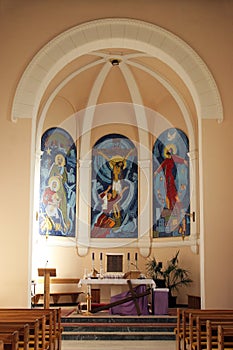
pixel 171 301
pixel 160 283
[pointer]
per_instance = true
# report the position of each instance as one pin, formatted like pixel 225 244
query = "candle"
pixel 128 256
pixel 93 256
pixel 101 256
pixel 136 256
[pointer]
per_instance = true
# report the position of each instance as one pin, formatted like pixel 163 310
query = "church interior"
pixel 116 124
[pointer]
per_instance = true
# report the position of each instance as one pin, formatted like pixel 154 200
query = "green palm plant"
pixel 172 275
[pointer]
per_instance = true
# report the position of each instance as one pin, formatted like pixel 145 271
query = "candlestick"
pixel 128 259
pixel 93 263
pixel 101 266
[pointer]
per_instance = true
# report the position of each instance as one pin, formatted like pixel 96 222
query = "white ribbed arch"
pixel 117 32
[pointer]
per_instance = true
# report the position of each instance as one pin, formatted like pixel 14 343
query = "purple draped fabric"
pixel 129 307
pixel 160 302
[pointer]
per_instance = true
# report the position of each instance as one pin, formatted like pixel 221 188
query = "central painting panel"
pixel 114 198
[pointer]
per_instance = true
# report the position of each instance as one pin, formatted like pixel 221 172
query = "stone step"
pixel 119 319
pixel 120 327
pixel 116 327
pixel 118 336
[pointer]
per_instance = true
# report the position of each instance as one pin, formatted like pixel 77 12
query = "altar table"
pixel 113 283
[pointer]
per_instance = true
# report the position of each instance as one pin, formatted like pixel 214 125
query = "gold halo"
pixel 59 155
pixel 168 147
pixel 54 179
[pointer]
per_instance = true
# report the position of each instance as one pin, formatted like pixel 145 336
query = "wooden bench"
pixel 184 328
pixel 225 337
pixel 56 296
pixel 198 338
pixel 10 340
pixel 23 331
pixel 74 295
pixel 37 331
pixel 212 333
pixel 45 325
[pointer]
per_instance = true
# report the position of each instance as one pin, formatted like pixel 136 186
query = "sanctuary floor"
pixel 117 344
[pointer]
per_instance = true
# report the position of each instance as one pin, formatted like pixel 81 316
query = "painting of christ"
pixel 114 188
pixel 171 204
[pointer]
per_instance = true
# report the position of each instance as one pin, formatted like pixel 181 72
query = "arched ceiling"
pixel 148 74
pixel 138 78
pixel 155 69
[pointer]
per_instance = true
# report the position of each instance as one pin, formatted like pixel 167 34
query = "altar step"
pixel 119 328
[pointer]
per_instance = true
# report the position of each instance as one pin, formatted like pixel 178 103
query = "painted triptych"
pixel 57 215
pixel 114 198
pixel 171 207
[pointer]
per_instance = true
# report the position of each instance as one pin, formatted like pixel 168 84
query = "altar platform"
pixel 103 326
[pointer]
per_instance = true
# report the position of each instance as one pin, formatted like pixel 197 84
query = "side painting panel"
pixel 57 215
pixel 114 212
pixel 171 187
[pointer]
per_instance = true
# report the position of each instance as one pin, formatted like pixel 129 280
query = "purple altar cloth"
pixel 160 301
pixel 129 307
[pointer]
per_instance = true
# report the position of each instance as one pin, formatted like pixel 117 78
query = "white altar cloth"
pixel 115 281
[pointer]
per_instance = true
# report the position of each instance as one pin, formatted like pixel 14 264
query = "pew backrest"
pixel 10 339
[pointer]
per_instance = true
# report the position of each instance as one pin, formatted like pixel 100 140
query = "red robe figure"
pixel 168 167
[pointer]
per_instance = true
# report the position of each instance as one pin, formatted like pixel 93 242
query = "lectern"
pixel 46 272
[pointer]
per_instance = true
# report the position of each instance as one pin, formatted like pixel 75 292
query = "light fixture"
pixel 115 62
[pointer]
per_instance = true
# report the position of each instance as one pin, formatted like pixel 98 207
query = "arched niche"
pixel 117 32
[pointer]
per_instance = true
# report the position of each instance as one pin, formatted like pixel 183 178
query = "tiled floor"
pixel 115 345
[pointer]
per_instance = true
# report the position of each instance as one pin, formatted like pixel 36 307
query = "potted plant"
pixel 171 277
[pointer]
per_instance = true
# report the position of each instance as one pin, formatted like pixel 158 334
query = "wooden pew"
pixel 34 329
pixel 179 329
pixel 23 331
pixel 225 337
pixel 212 332
pixel 37 326
pixel 183 327
pixel 1 345
pixel 199 338
pixel 49 323
pixel 54 328
pixel 10 340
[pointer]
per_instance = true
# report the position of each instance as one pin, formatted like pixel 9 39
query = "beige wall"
pixel 25 27
pixel 218 237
